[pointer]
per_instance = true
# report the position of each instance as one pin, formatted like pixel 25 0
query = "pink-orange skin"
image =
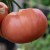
pixel 24 26
pixel 2 15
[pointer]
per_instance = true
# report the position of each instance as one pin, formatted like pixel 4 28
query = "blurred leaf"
pixel 49 22
pixel 46 2
pixel 48 16
pixel 4 1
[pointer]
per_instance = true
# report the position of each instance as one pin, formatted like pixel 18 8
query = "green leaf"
pixel 46 2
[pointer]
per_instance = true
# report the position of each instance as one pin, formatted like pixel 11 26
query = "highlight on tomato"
pixel 24 26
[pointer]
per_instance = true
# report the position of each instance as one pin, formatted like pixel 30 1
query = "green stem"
pixel 17 4
pixel 9 6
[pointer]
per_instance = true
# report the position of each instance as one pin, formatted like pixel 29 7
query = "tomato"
pixel 24 26
pixel 3 11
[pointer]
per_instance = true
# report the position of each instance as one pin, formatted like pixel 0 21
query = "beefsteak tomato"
pixel 24 26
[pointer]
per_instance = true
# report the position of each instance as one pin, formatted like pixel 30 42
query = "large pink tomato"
pixel 24 26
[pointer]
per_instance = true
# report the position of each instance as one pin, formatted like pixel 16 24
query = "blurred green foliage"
pixel 42 44
pixel 4 1
pixel 48 17
pixel 45 2
pixel 42 2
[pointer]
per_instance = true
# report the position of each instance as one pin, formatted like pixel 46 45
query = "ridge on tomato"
pixel 24 26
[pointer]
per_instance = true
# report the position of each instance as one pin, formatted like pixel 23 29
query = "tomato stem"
pixel 17 4
pixel 9 6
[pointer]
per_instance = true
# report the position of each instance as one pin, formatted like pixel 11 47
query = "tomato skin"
pixel 3 11
pixel 38 19
pixel 17 27
pixel 42 23
pixel 25 26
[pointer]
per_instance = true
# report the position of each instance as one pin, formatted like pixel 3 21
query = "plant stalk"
pixel 17 4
